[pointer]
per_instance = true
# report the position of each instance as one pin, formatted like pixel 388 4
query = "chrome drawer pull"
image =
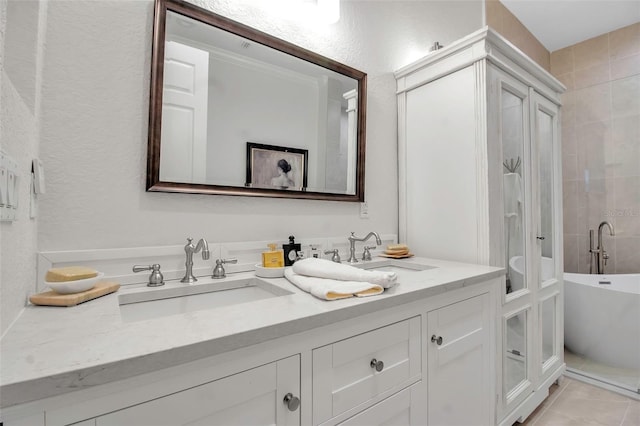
pixel 378 365
pixel 436 340
pixel 293 402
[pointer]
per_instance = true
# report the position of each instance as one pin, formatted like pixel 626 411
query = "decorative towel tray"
pixel 51 298
pixel 396 256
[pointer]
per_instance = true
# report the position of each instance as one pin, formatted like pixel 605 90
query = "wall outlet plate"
pixel 364 210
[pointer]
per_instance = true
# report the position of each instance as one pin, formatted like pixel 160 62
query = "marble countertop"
pixel 54 350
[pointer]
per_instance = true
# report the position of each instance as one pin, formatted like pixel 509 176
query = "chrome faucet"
pixel 352 244
pixel 189 249
pixel 600 254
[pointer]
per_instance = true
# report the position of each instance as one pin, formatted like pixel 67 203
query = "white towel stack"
pixel 329 280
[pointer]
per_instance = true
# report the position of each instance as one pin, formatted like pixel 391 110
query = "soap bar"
pixel 70 273
pixel 397 249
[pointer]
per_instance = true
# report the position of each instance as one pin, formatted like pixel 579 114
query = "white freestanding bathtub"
pixel 602 318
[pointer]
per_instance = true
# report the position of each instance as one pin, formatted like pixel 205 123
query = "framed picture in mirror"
pixel 276 167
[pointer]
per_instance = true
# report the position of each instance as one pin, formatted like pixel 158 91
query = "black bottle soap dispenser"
pixel 290 251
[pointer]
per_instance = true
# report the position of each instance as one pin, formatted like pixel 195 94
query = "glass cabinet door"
pixel 548 233
pixel 544 143
pixel 515 365
pixel 513 143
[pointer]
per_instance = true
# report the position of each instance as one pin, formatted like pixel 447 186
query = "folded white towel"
pixel 327 289
pixel 323 268
pixel 512 194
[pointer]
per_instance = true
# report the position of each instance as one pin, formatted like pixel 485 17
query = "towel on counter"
pixel 328 289
pixel 323 268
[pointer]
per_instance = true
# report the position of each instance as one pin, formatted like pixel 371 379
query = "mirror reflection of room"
pixel 222 91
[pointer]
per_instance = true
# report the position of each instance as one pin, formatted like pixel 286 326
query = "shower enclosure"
pixel 601 184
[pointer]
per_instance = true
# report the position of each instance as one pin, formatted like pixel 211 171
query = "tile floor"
pixel 580 404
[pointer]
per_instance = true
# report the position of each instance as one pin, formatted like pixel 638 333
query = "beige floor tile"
pixel 632 417
pixel 554 418
pixel 582 391
pixel 576 403
pixel 587 411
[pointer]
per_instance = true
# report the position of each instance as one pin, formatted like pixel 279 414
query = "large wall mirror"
pixel 235 111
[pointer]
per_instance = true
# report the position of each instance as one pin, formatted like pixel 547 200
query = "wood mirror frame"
pixel 154 184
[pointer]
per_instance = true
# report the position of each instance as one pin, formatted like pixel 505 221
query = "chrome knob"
pixel 335 257
pixel 378 365
pixel 292 402
pixel 436 340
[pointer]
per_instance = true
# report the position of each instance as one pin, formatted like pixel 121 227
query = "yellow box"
pixel 273 258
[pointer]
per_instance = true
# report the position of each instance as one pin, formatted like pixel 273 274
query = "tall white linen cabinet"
pixel 480 182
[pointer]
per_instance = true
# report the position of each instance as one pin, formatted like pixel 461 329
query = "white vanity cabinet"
pixel 480 182
pixel 264 395
pixel 428 360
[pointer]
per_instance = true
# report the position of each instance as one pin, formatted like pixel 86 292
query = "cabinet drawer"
pixel 343 375
pixel 406 407
pixel 251 397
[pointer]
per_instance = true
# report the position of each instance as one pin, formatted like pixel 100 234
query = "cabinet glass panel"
pixel 548 322
pixel 545 183
pixel 513 189
pixel 515 356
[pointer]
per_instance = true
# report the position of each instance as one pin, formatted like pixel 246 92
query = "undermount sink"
pixel 399 267
pixel 182 298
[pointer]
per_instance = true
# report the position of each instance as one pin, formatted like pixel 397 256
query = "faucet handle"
pixel 366 255
pixel 218 270
pixel 335 255
pixel 155 279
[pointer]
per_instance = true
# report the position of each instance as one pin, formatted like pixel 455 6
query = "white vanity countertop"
pixel 55 350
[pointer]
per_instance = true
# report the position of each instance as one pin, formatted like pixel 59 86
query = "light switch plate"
pixel 3 186
pixel 38 173
pixel 9 180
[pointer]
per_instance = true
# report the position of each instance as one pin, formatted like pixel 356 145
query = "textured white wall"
pixel 19 126
pixel 95 123
pixel 90 116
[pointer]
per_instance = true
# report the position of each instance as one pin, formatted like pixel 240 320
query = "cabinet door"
pixel 460 370
pixel 548 231
pixel 403 408
pixel 252 397
pixel 510 106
